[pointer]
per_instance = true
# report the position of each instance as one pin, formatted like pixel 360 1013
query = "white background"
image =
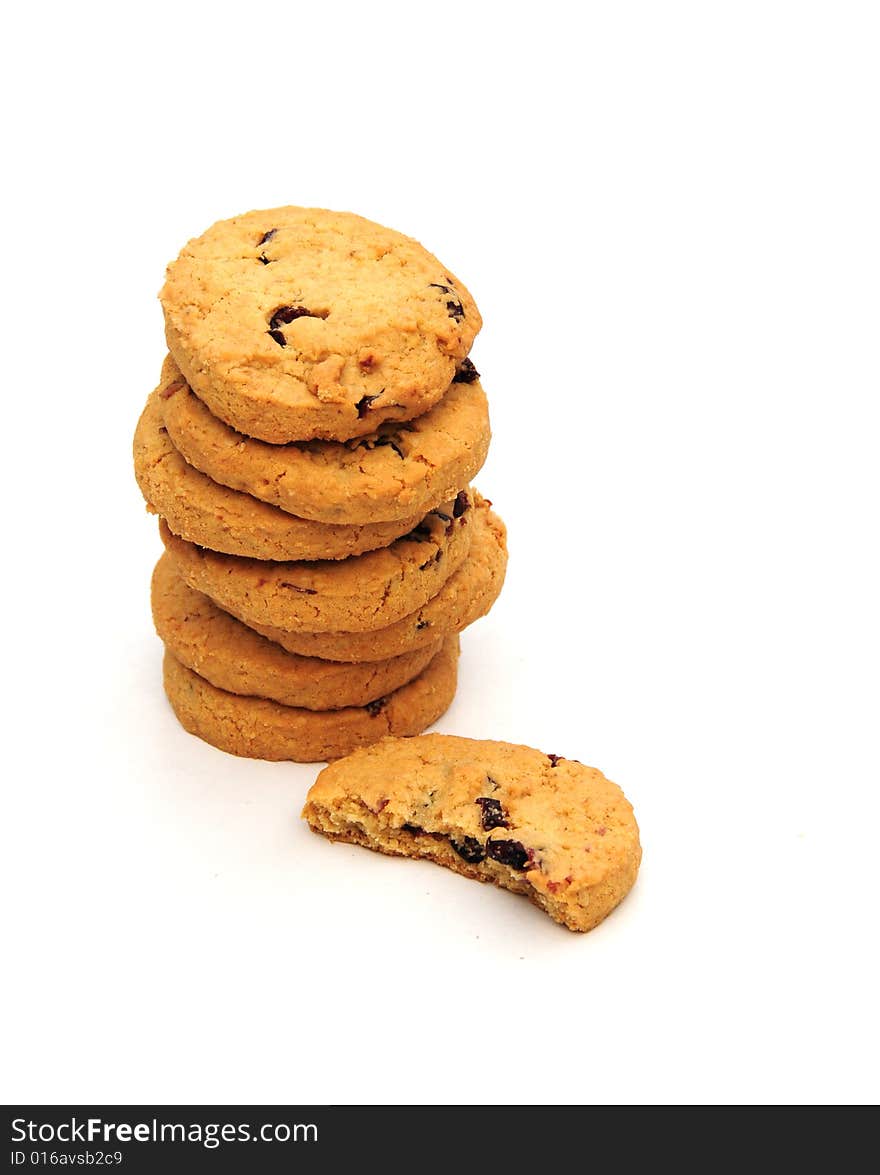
pixel 668 214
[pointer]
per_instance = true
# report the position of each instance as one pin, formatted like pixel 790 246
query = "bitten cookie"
pixel 400 470
pixel 357 594
pixel 465 597
pixel 201 511
pixel 536 824
pixel 294 323
pixel 234 658
pixel 258 729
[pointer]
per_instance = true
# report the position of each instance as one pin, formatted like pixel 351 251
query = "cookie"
pixel 201 511
pixel 234 658
pixel 465 597
pixel 258 729
pixel 212 515
pixel 295 323
pixel 363 592
pixel 400 470
pixel 536 824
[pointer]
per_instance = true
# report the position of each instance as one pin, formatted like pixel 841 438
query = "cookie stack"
pixel 309 450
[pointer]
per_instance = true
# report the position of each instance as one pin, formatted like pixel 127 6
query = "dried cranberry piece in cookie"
pixel 390 442
pixel 434 558
pixel 286 314
pixel 461 504
pixel 415 830
pixel 508 852
pixel 466 373
pixel 454 307
pixel 264 240
pixel 492 813
pixel 469 849
pixel 364 403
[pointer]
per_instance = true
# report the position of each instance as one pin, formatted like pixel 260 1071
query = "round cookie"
pixel 294 323
pixel 363 592
pixel 465 597
pixel 201 511
pixel 540 825
pixel 401 469
pixel 234 658
pixel 258 729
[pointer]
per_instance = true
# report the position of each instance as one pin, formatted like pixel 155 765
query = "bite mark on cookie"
pixel 575 852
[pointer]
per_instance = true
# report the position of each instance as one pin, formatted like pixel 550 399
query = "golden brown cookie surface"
pixel 295 323
pixel 464 598
pixel 536 824
pixel 202 511
pixel 234 658
pixel 259 729
pixel 402 470
pixel 357 594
